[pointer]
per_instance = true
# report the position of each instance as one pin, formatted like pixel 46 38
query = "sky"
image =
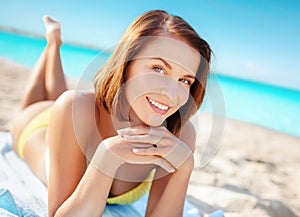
pixel 255 39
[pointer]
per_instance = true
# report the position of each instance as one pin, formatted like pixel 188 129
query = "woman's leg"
pixel 47 78
pixel 46 84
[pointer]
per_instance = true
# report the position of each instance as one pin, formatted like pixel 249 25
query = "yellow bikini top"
pixel 134 194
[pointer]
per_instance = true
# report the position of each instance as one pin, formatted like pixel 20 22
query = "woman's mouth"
pixel 158 107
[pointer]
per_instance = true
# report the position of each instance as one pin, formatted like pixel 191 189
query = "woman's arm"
pixel 167 195
pixel 74 189
pixel 89 198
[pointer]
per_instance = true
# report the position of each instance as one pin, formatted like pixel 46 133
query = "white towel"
pixel 18 184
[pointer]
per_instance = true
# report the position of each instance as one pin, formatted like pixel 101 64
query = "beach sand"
pixel 254 173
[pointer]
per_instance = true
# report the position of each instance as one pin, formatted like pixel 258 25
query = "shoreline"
pixel 254 173
pixel 42 37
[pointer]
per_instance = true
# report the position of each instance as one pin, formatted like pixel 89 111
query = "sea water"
pixel 265 105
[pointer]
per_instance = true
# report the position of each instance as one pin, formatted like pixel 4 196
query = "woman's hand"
pixel 159 141
pixel 116 151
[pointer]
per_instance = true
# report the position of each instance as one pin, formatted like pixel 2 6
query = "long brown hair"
pixel 110 78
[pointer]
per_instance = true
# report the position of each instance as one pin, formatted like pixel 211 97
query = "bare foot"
pixel 53 33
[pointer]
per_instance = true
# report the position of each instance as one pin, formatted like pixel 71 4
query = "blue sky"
pixel 257 40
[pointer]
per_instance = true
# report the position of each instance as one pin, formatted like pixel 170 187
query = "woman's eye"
pixel 185 81
pixel 159 70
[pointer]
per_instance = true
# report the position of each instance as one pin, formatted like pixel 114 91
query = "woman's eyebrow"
pixel 190 76
pixel 170 67
pixel 162 60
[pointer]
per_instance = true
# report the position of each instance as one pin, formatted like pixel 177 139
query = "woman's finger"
pixel 139 159
pixel 134 130
pixel 143 130
pixel 140 145
pixel 165 165
pixel 176 155
pixel 146 151
pixel 147 139
pixel 153 150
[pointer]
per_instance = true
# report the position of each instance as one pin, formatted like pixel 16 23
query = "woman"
pixel 131 134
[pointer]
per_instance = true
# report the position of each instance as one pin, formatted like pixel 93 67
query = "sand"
pixel 254 173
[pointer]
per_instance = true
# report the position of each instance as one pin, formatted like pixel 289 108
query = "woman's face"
pixel 159 79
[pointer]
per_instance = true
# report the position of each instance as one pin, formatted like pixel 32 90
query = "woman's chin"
pixel 156 120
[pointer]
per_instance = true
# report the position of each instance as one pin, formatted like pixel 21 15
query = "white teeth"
pixel 158 105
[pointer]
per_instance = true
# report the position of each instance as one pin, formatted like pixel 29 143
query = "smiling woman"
pixel 131 134
pixel 169 87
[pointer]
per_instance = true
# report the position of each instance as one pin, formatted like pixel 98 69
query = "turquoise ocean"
pixel 266 105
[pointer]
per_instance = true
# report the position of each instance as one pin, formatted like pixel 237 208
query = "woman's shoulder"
pixel 78 104
pixel 74 111
pixel 73 98
pixel 75 108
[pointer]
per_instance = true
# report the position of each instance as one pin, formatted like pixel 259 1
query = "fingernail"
pixel 136 150
pixel 120 131
pixel 172 170
pixel 126 137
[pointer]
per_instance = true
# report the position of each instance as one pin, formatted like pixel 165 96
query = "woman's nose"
pixel 171 90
